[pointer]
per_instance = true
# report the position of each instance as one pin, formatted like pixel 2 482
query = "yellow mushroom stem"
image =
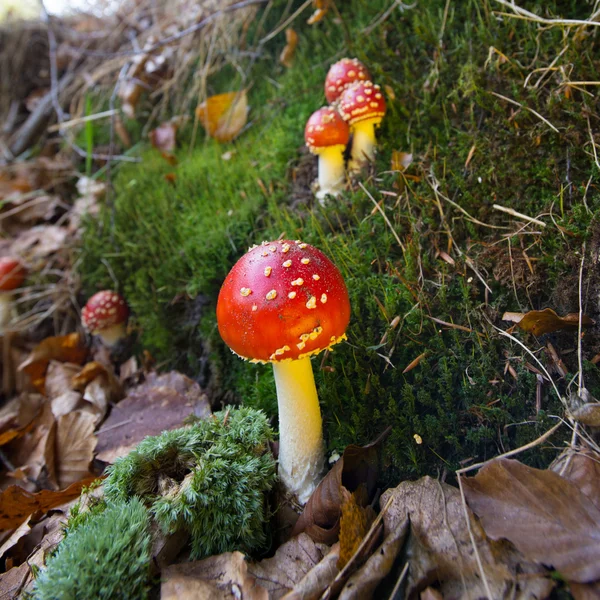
pixel 301 450
pixel 332 175
pixel 363 144
pixel 111 335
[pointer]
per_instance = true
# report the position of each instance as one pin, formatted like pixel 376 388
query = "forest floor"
pixel 146 151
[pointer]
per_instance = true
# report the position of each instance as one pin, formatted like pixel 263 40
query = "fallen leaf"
pixel 12 582
pixel 529 507
pixel 63 348
pixel 544 321
pixel 159 404
pixel 355 521
pixel 58 378
pixel 321 9
pixel 415 362
pixel 439 547
pixel 215 578
pixel 75 445
pixel 401 160
pixel 224 116
pixel 65 403
pixel 16 504
pixel 292 564
pixel 357 466
pixel 164 136
pixel 287 54
pixel 38 243
pixel 582 467
pixel 587 414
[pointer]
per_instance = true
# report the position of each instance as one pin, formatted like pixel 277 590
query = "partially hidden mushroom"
pixel 326 135
pixel 363 106
pixel 105 315
pixel 343 73
pixel 12 275
pixel 282 303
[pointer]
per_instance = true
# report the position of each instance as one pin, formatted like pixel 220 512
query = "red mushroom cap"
pixel 104 309
pixel 362 101
pixel 282 300
pixel 341 75
pixel 325 128
pixel 12 273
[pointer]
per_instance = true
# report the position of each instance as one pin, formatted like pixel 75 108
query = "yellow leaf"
pixel 539 322
pixel 223 116
pixel 287 54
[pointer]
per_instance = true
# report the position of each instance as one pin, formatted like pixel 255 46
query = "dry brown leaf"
pixel 582 467
pixel 159 404
pixel 63 348
pixel 355 521
pixel 292 563
pixel 58 378
pixel 224 116
pixel 357 466
pixel 587 414
pixel 75 445
pixel 321 9
pixel 12 582
pixel 440 548
pixel 221 577
pixel 38 243
pixel 66 403
pixel 287 54
pixel 529 507
pixel 16 504
pixel 17 416
pixel 164 136
pixel 415 362
pixel 544 321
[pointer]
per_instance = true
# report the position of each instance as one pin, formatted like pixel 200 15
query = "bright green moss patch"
pixel 484 106
pixel 208 479
pixel 107 557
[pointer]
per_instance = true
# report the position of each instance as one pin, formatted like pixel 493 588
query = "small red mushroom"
pixel 12 275
pixel 341 74
pixel 105 315
pixel 282 303
pixel 326 135
pixel 363 106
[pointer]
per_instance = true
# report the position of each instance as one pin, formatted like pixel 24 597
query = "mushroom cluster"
pixel 356 108
pixel 282 303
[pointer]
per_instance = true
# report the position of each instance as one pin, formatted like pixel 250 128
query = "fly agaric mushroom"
pixel 12 274
pixel 341 74
pixel 326 135
pixel 282 303
pixel 362 104
pixel 105 315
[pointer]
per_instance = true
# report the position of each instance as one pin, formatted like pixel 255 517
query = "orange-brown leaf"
pixel 287 54
pixel 16 504
pixel 223 116
pixel 544 321
pixel 355 521
pixel 63 348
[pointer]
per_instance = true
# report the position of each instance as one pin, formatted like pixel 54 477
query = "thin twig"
pixel 579 344
pixel 521 13
pixel 537 114
pixel 519 215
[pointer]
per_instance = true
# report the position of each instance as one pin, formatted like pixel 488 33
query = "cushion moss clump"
pixel 208 479
pixel 106 557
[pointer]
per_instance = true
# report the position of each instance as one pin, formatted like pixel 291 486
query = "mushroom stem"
pixel 111 335
pixel 301 451
pixel 332 175
pixel 363 145
pixel 6 309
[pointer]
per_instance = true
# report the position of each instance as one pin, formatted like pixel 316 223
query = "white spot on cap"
pixel 254 307
pixel 305 261
pixel 312 302
pixel 287 264
pixel 268 271
pixel 302 245
pixel 298 281
pixel 271 295
pixel 323 298
pixel 245 291
pixel 316 277
pixel 292 295
pixel 285 248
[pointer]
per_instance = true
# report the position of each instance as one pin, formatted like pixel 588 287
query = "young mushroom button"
pixel 105 315
pixel 341 74
pixel 12 275
pixel 282 303
pixel 326 135
pixel 363 106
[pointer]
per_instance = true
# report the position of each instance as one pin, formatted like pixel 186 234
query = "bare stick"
pixel 579 349
pixel 79 120
pixel 537 114
pixel 521 13
pixel 518 215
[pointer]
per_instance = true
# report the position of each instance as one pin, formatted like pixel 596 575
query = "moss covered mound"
pixel 489 108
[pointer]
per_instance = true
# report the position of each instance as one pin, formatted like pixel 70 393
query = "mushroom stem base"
pixel 111 335
pixel 332 174
pixel 301 451
pixel 6 310
pixel 363 146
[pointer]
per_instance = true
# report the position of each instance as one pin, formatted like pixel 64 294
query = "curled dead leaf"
pixel 224 116
pixel 287 54
pixel 544 321
pixel 75 445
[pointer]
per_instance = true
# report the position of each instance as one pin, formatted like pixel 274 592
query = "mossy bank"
pixel 488 107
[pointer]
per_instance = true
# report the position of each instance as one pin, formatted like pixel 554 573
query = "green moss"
pixel 208 479
pixel 106 557
pixel 478 137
